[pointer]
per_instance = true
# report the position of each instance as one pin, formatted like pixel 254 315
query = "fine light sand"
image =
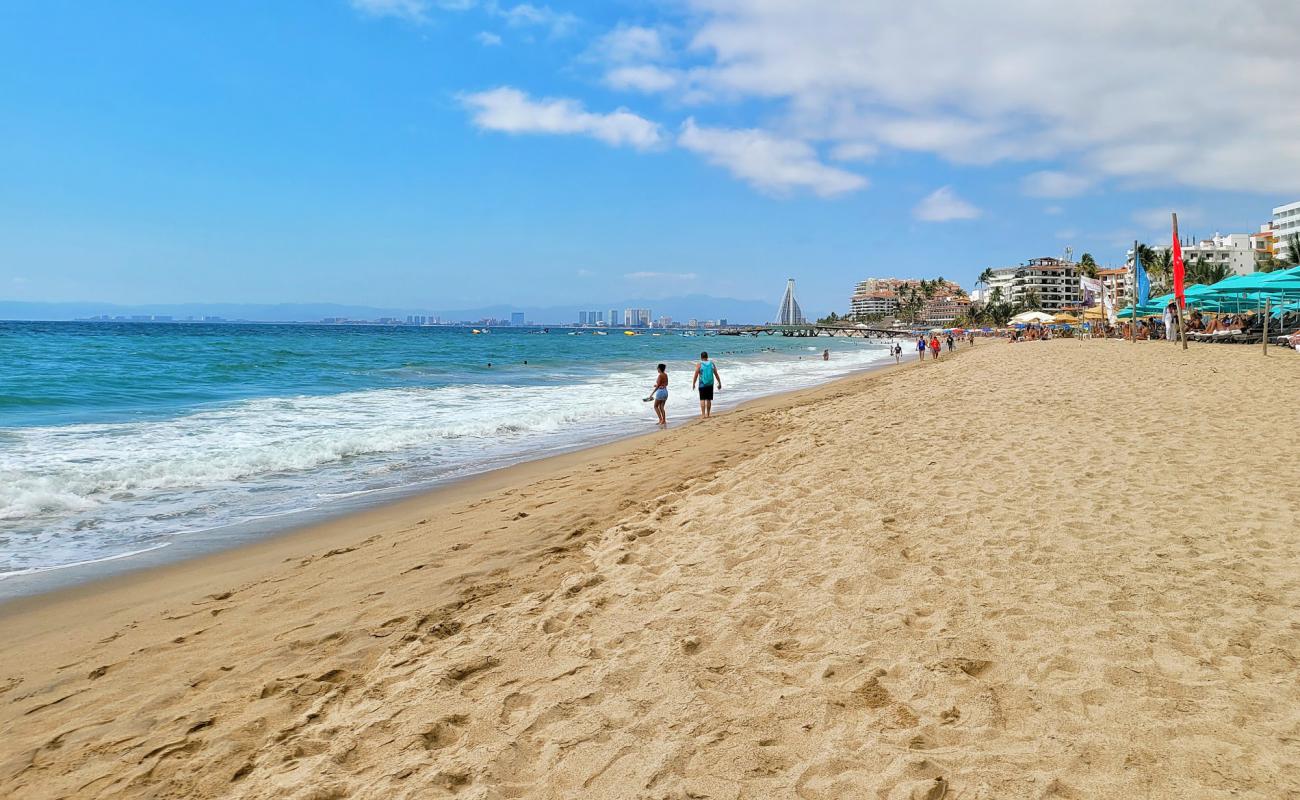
pixel 1044 570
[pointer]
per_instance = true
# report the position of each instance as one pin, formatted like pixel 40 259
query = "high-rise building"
pixel 643 317
pixel 1286 223
pixel 516 318
pixel 595 317
pixel 788 312
pixel 582 317
pixel 1053 281
pixel 613 317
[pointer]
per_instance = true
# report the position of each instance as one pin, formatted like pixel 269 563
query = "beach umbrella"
pixel 1032 316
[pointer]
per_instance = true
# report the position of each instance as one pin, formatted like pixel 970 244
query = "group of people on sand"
pixel 706 380
pixel 934 346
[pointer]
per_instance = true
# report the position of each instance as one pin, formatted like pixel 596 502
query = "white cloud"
pixel 527 15
pixel 1053 210
pixel 943 205
pixel 1049 183
pixel 854 151
pixel 660 276
pixel 409 10
pixel 628 44
pixel 488 38
pixel 509 110
pixel 1121 90
pixel 766 161
pixel 1159 219
pixel 644 78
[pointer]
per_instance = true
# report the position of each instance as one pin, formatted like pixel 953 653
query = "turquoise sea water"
pixel 116 438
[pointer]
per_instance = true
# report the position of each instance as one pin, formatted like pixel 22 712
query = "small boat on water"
pixel 476 331
pixel 599 333
pixel 631 333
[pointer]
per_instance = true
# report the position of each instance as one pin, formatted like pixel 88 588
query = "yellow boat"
pixel 631 333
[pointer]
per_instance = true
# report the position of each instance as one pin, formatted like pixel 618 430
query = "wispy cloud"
pixel 527 15
pixel 660 276
pixel 943 205
pixel 854 151
pixel 646 78
pixel 488 38
pixel 409 10
pixel 768 162
pixel 509 110
pixel 1049 183
pixel 1159 219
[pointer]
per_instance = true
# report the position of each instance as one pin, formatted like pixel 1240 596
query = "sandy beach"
pixel 1058 569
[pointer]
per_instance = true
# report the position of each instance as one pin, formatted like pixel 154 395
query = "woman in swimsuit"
pixel 660 395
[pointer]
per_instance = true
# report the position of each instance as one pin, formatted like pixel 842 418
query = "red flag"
pixel 1178 267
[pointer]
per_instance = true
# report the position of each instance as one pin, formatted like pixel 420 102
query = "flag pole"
pixel 1178 299
pixel 1133 318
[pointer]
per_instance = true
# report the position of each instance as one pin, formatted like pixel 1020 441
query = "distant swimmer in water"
pixel 707 378
pixel 826 355
pixel 660 394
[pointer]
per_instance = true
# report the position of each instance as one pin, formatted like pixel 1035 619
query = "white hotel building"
pixel 1054 281
pixel 1286 223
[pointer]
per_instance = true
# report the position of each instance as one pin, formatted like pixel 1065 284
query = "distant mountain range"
pixel 680 308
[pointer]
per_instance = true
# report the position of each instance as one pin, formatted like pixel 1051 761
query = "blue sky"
pixel 451 154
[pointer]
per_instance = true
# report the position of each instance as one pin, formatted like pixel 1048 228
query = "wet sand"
pixel 1019 573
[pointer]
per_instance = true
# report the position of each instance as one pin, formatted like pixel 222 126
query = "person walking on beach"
pixel 951 344
pixel 706 377
pixel 934 347
pixel 898 353
pixel 920 348
pixel 660 395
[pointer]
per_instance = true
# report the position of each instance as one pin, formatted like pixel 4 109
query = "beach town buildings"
pixel 788 312
pixel 1053 281
pixel 1264 243
pixel 636 318
pixel 1117 284
pixel 874 296
pixel 1286 223
pixel 945 309
pixel 1236 251
pixel 516 318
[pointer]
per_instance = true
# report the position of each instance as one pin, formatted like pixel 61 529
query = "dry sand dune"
pixel 1048 570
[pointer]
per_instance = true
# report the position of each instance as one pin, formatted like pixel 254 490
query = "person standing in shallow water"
pixel 660 395
pixel 707 378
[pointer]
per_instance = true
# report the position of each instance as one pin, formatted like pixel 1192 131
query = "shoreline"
pixel 969 578
pixel 24 591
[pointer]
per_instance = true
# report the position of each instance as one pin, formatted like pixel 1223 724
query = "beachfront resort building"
pixel 874 296
pixel 788 312
pixel 1264 243
pixel 1236 251
pixel 1054 282
pixel 945 310
pixel 1117 284
pixel 1286 223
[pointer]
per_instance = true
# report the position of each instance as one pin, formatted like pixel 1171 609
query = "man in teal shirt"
pixel 707 377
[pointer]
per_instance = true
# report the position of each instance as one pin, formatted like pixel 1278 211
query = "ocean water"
pixel 118 438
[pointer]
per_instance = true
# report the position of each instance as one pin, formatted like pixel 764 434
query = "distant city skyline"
pixel 412 153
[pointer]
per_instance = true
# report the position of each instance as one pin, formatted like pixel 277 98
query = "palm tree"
pixel 1203 271
pixel 1159 264
pixel 985 277
pixel 1088 265
pixel 1030 301
pixel 1292 255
